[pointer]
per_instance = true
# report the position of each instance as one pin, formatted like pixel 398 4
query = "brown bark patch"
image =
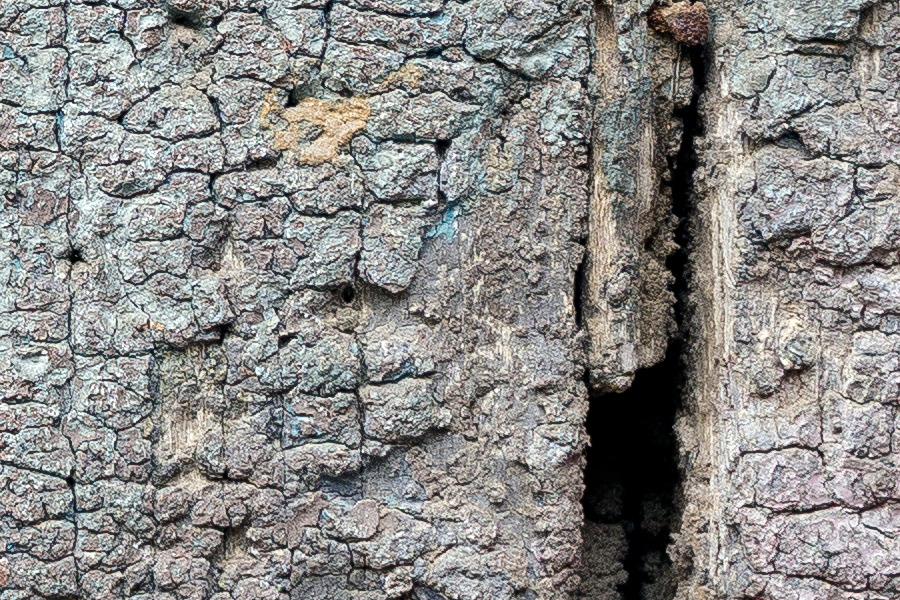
pixel 315 129
pixel 687 22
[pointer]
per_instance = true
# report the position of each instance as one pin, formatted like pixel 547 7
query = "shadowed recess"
pixel 632 473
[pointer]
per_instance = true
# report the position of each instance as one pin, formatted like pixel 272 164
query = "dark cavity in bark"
pixel 683 166
pixel 632 475
pixel 632 472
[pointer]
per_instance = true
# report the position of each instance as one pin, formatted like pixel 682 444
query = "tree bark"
pixel 310 300
pixel 789 434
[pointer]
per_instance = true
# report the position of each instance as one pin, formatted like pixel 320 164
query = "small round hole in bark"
pixel 348 294
pixel 285 339
pixel 184 19
pixel 74 256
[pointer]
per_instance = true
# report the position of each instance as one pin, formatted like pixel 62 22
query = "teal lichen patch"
pixel 446 227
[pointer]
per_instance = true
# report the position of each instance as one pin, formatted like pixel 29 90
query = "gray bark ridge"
pixel 789 438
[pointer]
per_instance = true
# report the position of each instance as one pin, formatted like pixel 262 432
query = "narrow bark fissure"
pixel 632 475
pixel 578 294
pixel 683 166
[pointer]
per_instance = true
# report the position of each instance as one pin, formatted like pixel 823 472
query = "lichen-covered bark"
pixel 790 442
pixel 302 300
pixel 287 298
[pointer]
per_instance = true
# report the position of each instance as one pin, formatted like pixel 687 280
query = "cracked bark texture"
pixel 790 435
pixel 639 80
pixel 298 297
pixel 287 298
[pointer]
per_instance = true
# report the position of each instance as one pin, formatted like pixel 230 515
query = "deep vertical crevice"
pixel 632 472
pixel 632 475
pixel 578 293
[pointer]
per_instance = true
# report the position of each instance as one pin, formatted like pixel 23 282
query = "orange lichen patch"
pixel 687 22
pixel 408 76
pixel 315 129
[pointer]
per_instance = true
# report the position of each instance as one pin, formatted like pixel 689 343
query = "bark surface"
pixel 287 306
pixel 790 434
pixel 308 300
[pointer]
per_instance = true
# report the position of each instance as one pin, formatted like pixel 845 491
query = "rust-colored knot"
pixel 687 21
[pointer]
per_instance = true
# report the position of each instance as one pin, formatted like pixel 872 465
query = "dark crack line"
pixel 683 169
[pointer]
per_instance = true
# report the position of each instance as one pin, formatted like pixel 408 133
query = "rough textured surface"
pixel 686 21
pixel 303 300
pixel 790 439
pixel 287 298
pixel 639 80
